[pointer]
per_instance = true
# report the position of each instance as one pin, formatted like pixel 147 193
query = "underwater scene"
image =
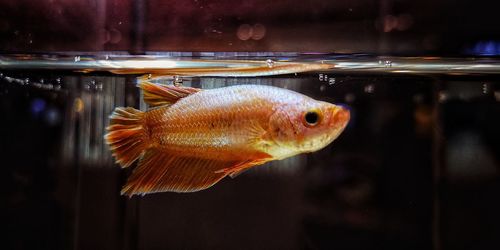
pixel 255 124
pixel 416 166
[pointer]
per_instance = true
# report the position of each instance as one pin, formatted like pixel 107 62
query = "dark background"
pixel 417 167
pixel 397 27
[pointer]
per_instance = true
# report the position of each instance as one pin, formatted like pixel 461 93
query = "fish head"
pixel 306 126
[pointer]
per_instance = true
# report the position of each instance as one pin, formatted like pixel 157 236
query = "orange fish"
pixel 192 138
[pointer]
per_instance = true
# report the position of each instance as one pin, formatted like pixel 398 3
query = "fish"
pixel 190 138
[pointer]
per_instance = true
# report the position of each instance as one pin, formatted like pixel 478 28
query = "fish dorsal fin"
pixel 158 94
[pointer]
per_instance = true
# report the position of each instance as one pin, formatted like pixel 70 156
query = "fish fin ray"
pixel 159 171
pixel 159 95
pixel 126 136
pixel 255 132
pixel 242 167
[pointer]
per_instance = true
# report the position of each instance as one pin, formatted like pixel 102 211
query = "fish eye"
pixel 311 118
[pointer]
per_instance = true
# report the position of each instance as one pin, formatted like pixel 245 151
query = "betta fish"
pixel 191 138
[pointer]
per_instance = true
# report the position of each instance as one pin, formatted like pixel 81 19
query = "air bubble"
pixel 270 63
pixel 177 81
pixel 90 85
pixel 26 81
pixel 77 58
pixel 486 88
pixel 331 81
pixel 321 77
pixel 388 64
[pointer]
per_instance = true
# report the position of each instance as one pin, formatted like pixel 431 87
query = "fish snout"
pixel 341 116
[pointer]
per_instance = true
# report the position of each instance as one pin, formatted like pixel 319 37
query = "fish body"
pixel 192 138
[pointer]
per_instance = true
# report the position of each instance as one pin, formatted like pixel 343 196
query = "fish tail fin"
pixel 126 135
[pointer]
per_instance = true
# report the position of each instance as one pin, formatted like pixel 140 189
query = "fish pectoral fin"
pixel 158 171
pixel 255 132
pixel 158 94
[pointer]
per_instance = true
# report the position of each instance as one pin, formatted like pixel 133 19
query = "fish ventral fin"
pixel 159 95
pixel 126 136
pixel 159 171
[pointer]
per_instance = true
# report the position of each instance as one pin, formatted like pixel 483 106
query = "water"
pixel 416 168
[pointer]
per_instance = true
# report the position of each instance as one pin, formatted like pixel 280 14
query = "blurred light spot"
pixel 115 36
pixel 52 117
pixel 390 22
pixel 258 31
pixel 370 88
pixel 400 23
pixel 418 98
pixel 497 96
pixel 484 48
pixel 37 106
pixel 78 105
pixel 244 32
pixel 468 158
pixel 350 98
pixel 423 119
pixel 443 96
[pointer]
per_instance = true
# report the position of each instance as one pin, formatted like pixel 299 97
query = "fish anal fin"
pixel 159 171
pixel 158 94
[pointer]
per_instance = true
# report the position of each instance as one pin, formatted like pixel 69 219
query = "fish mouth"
pixel 341 116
